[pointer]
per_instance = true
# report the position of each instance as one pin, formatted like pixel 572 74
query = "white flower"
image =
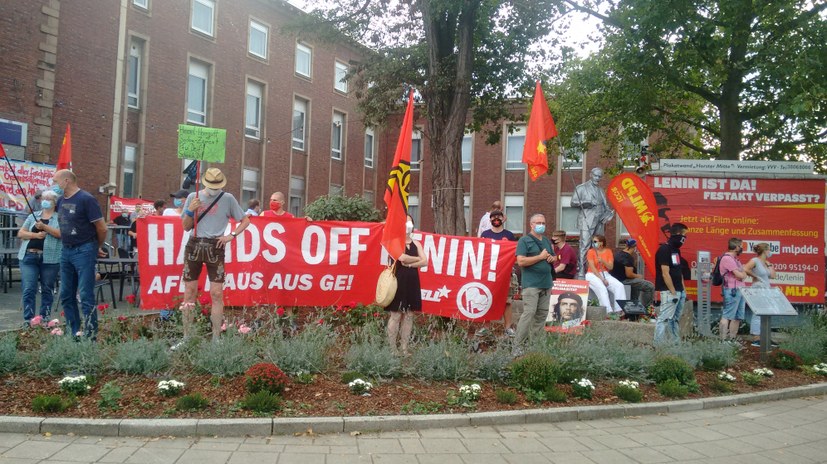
pixel 170 386
pixel 820 368
pixel 584 383
pixel 763 371
pixel 629 384
pixel 360 386
pixel 726 376
pixel 470 392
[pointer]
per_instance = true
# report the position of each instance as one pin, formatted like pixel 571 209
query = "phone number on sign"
pixel 797 267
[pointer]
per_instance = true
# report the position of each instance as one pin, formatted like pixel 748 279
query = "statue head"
pixel 596 175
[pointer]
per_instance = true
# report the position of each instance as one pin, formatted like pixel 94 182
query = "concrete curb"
pixel 291 425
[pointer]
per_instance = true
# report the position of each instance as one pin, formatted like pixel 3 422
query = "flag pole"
pixel 197 183
pixel 13 173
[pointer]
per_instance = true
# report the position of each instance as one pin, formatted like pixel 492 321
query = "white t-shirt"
pixel 170 212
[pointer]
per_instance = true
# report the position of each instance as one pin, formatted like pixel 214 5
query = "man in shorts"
pixel 207 214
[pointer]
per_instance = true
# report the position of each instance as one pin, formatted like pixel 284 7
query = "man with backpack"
pixel 669 284
pixel 733 275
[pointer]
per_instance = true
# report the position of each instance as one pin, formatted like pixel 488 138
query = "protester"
pixel 499 232
pixel 625 271
pixel 83 232
pixel 734 303
pixel 761 271
pixel 600 260
pixel 485 220
pixel 277 207
pixel 207 213
pixel 253 208
pixel 178 199
pixel 669 282
pixel 159 205
pixel 595 212
pixel 566 267
pixel 39 257
pixel 408 296
pixel 536 257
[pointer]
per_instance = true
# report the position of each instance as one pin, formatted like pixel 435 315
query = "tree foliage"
pixel 726 79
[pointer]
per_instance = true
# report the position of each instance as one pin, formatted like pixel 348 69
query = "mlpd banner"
pixel 788 214
pixel 293 262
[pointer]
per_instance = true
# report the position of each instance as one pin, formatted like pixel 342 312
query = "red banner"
pixel 788 214
pixel 294 262
pixel 635 204
pixel 118 205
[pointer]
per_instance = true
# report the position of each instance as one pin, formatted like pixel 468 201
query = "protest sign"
pixel 201 143
pixel 33 177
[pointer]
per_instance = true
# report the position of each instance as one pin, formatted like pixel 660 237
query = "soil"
pixel 327 395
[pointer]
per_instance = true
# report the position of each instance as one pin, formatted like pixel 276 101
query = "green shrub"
pixel 373 359
pixel 672 388
pixel 262 402
pixel 265 377
pixel 752 379
pixel 505 396
pixel 141 357
pixel 809 342
pixel 110 396
pixel 350 376
pixel 582 388
pixel 554 394
pixel 720 386
pixel 628 393
pixel 342 208
pixel 416 407
pixel 598 353
pixel 307 351
pixel 75 384
pixel 671 367
pixel 446 359
pixel 228 356
pixel 535 396
pixel 784 359
pixel 303 377
pixel 534 371
pixel 192 402
pixel 60 355
pixel 493 365
pixel 710 354
pixel 9 356
pixel 50 403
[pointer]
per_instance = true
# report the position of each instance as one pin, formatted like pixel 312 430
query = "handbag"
pixel 386 286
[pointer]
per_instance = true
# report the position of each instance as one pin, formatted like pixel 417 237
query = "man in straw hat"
pixel 207 213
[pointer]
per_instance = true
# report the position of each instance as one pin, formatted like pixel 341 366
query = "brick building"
pixel 126 73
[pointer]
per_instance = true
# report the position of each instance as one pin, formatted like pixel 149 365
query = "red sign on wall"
pixel 788 214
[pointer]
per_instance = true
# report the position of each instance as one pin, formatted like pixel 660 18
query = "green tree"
pixel 465 58
pixel 726 79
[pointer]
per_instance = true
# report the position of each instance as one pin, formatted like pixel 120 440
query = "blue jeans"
pixel 734 304
pixel 32 271
pixel 77 277
pixel 669 316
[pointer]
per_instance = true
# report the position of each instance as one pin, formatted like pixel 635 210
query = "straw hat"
pixel 214 179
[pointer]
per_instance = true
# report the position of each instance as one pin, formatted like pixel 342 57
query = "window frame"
pixel 370 161
pixel 340 84
pixel 518 132
pixel 565 205
pixel 509 202
pixel 296 196
pixel 129 167
pixel 206 68
pixel 263 28
pixel 136 51
pixel 413 205
pixel 337 153
pixel 211 5
pixel 250 183
pixel 300 47
pixel 416 136
pixel 142 4
pixel 303 140
pixel 253 131
pixel 566 162
pixel 466 165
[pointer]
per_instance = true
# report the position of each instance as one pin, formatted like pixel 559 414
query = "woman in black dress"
pixel 408 293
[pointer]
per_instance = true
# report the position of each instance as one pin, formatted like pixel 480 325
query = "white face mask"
pixel 408 227
pixel 213 192
pixel 769 254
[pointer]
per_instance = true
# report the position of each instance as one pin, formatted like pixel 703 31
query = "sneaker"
pixel 178 345
pixel 510 332
pixel 755 343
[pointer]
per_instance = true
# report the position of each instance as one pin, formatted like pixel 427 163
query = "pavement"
pixel 785 431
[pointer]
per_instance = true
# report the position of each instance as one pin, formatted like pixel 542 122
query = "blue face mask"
pixel 177 202
pixel 46 204
pixel 539 228
pixel 58 190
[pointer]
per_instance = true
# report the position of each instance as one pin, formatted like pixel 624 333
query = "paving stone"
pixel 645 455
pixel 569 458
pixel 439 459
pixel 82 453
pixel 480 432
pixel 394 459
pixel 119 454
pixel 411 445
pixel 306 449
pixel 203 445
pixel 486 445
pixel 526 445
pixel 192 456
pixel 155 456
pixel 288 458
pixel 679 452
pixel 527 458
pixel 9 440
pixel 443 445
pixel 247 457
pixel 37 451
pixel 348 459
pixel 483 459
pixel 608 457
pixel 380 446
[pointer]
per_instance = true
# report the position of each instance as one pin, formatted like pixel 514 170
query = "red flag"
pixel 64 161
pixel 635 204
pixel 396 192
pixel 540 128
pixel 2 152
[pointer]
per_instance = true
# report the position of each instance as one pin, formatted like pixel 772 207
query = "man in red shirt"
pixel 277 207
pixel 566 266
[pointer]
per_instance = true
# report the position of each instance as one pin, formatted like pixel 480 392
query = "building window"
pixel 142 4
pixel 336 190
pixel 299 122
pixel 514 149
pixel 514 213
pixel 466 206
pixel 296 201
pixel 336 143
pixel 369 147
pixel 133 78
pixel 197 93
pixel 258 39
pixel 304 59
pixel 368 196
pixel 413 208
pixel 568 216
pixel 203 16
pixel 252 118
pixel 467 151
pixel 416 149
pixel 575 153
pixel 340 77
pixel 249 185
pixel 128 182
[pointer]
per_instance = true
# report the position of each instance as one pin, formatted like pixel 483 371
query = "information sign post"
pixel 702 271
pixel 765 303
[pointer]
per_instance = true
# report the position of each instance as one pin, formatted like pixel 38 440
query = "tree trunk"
pixel 447 95
pixel 730 129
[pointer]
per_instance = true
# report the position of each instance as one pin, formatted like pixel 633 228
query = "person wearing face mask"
pixel 39 257
pixel 600 262
pixel 535 257
pixel 207 213
pixel 761 270
pixel 669 284
pixel 408 296
pixel 566 267
pixel 277 207
pixel 625 271
pixel 499 232
pixel 734 304
pixel 178 199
